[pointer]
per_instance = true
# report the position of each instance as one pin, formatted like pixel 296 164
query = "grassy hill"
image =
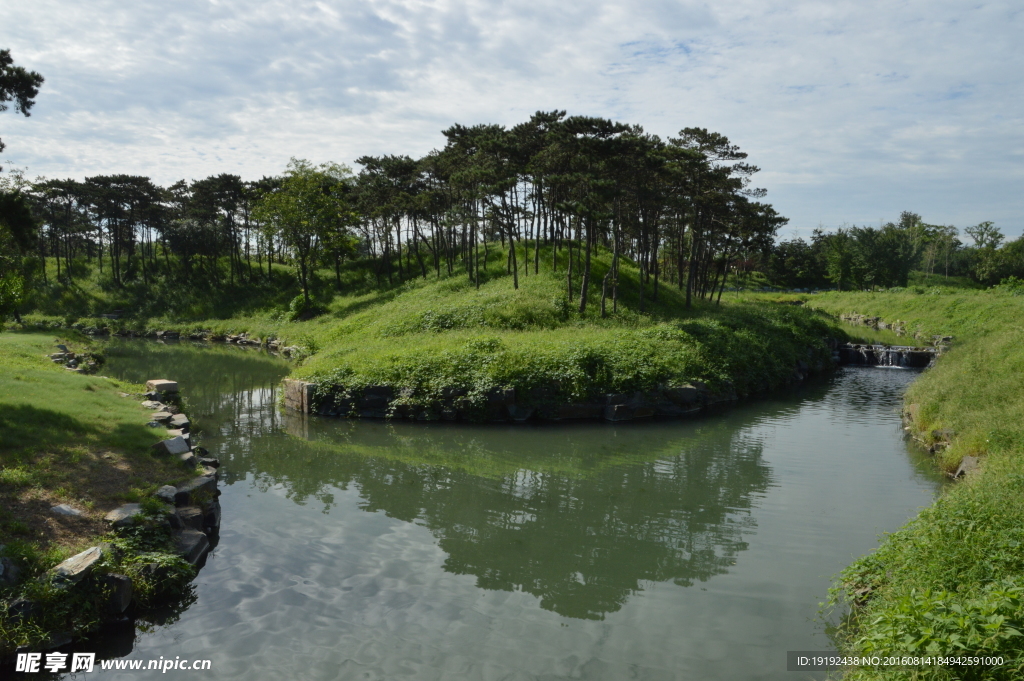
pixel 429 336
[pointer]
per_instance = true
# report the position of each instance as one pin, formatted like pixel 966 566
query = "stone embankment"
pixel 189 513
pixel 518 406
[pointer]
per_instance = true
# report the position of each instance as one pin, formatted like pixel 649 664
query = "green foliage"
pixel 951 579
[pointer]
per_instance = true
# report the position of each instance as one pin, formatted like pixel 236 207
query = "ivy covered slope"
pixel 952 580
pixel 434 338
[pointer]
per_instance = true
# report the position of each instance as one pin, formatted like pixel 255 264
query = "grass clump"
pixel 951 582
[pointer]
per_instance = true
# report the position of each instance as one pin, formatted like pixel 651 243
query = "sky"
pixel 854 111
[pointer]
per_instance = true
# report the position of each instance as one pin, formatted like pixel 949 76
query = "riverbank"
pixel 75 447
pixel 952 580
pixel 452 348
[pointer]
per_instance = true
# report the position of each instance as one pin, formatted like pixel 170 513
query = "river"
pixel 695 549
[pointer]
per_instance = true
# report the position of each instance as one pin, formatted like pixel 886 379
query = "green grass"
pixel 953 578
pixel 429 335
pixel 70 438
pixel 433 336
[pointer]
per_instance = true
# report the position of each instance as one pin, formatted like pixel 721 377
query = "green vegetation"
pixel 68 438
pixel 951 581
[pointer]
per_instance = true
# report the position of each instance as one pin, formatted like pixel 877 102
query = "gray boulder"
pixel 194 490
pixel 9 572
pixel 121 592
pixel 191 517
pixel 211 516
pixel 162 416
pixel 77 567
pixel 125 516
pixel 64 509
pixel 191 545
pixel 166 494
pixel 161 385
pixel 188 459
pixel 179 421
pixel 173 446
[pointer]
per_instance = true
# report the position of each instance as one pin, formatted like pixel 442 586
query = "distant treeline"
pixel 682 209
pixel 857 258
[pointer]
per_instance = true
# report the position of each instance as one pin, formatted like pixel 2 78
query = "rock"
pixel 579 410
pixel 211 515
pixel 64 509
pixel 519 413
pixel 298 395
pixel 153 404
pixel 173 446
pixel 120 593
pixel 967 465
pixel 209 472
pixel 77 567
pixel 9 572
pixel 618 412
pixel 123 516
pixel 375 398
pixel 643 412
pixel 179 421
pixel 683 395
pixel 58 356
pixel 161 385
pixel 191 545
pixel 162 416
pixel 178 432
pixel 194 489
pixel 208 460
pixel 166 494
pixel 188 459
pixel 191 517
pixel 62 347
pixel 23 608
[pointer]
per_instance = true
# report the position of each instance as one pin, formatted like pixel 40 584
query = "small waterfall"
pixel 887 356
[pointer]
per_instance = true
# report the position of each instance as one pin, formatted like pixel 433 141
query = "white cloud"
pixel 854 110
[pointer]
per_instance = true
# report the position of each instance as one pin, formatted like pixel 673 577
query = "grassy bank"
pixel 431 336
pixel 952 580
pixel 65 438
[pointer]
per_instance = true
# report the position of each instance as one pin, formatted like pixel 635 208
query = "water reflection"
pixel 663 550
pixel 580 517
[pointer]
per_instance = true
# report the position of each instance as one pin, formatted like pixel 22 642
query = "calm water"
pixel 665 550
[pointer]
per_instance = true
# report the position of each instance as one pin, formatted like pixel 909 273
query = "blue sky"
pixel 854 111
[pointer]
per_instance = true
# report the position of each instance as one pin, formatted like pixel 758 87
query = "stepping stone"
pixel 64 509
pixel 123 516
pixel 161 416
pixel 179 421
pixel 153 404
pixel 173 446
pixel 161 385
